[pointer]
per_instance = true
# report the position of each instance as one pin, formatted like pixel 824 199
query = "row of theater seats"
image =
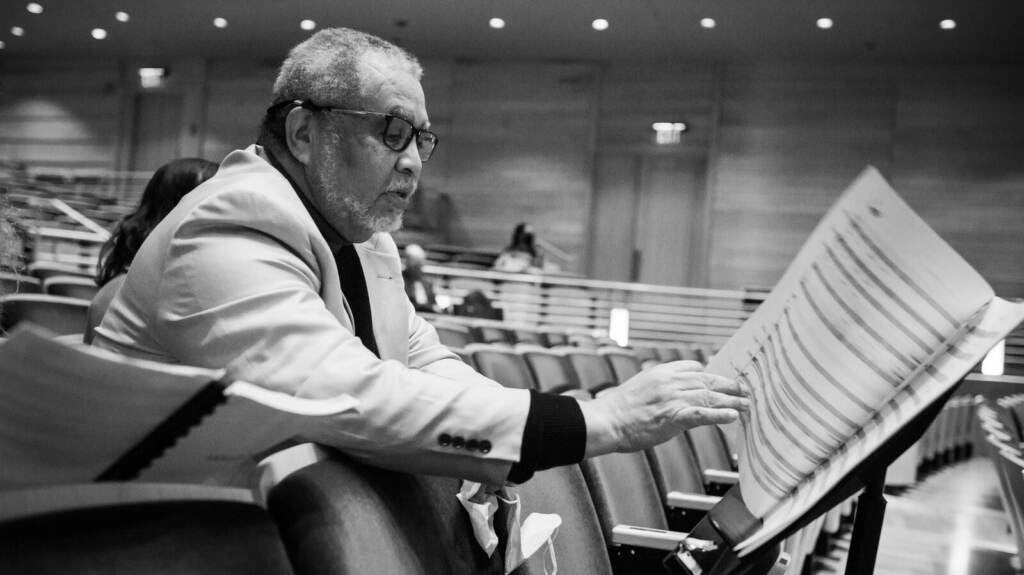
pixel 53 296
pixel 1000 423
pixel 459 332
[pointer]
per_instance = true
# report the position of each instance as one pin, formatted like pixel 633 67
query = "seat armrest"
pixel 693 501
pixel 721 476
pixel 647 537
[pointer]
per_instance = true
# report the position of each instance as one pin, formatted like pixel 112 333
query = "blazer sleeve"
pixel 240 289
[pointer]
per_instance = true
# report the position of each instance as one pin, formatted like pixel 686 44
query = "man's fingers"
pixel 686 365
pixel 691 380
pixel 695 416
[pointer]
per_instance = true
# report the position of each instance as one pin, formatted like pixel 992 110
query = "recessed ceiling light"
pixel 708 23
pixel 2 45
pixel 496 23
pixel 947 24
pixel 307 24
pixel 99 33
pixel 34 8
pixel 219 22
pixel 122 16
pixel 17 31
pixel 825 23
pixel 599 24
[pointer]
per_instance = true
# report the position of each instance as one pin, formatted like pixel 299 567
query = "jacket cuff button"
pixel 472 445
pixel 458 442
pixel 485 446
pixel 444 440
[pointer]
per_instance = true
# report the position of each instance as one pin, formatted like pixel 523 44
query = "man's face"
pixel 360 185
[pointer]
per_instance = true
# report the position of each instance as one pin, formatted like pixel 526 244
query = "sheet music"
pixel 999 319
pixel 873 295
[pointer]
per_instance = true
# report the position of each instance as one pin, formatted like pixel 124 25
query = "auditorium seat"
pixel 17 283
pixel 43 270
pixel 579 544
pixel 581 339
pixel 502 364
pixel 137 528
pixel 680 482
pixel 551 370
pixel 60 315
pixel 554 337
pixel 522 334
pixel 668 353
pixel 593 372
pixel 623 363
pixel 464 356
pixel 717 464
pixel 453 335
pixel 71 286
pixel 341 517
pixel 487 332
pixel 625 494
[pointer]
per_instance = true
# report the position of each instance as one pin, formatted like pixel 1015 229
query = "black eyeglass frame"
pixel 414 132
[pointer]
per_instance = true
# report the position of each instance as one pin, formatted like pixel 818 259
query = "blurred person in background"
pixel 164 190
pixel 418 287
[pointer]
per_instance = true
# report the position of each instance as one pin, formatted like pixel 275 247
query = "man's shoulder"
pixel 246 190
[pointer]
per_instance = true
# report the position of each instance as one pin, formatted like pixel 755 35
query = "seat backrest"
pixel 159 535
pixel 675 467
pixel 61 315
pixel 667 353
pixel 17 283
pixel 453 335
pixel 341 517
pixel 624 364
pixel 710 448
pixel 579 544
pixel 490 333
pixel 624 492
pixel 45 269
pixel 551 370
pixel 554 338
pixel 527 335
pixel 71 286
pixel 502 364
pixel 592 371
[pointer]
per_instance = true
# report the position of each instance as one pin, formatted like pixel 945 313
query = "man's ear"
pixel 298 133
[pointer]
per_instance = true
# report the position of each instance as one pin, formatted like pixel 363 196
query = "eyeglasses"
pixel 397 133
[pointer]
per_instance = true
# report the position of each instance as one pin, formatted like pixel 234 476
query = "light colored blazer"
pixel 237 276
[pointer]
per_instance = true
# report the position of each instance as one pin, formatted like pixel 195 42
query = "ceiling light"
pixel 307 24
pixel 825 23
pixel 2 45
pixel 122 16
pixel 99 33
pixel 17 31
pixel 496 23
pixel 947 24
pixel 708 23
pixel 219 22
pixel 34 8
pixel 600 24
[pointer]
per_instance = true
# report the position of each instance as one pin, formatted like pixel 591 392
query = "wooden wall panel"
pixel 790 140
pixel 239 92
pixel 959 162
pixel 520 150
pixel 60 114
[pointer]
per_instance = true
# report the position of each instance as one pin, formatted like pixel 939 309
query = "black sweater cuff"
pixel 555 434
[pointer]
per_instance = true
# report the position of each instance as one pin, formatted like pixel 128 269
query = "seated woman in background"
pixel 165 189
pixel 521 254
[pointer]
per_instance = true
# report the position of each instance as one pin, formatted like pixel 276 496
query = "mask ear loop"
pixel 551 553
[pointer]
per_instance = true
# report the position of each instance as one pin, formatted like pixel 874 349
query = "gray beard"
pixel 363 214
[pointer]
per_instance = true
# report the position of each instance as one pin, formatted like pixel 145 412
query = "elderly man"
pixel 281 269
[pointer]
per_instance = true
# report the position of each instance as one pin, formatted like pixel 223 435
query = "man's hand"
pixel 657 404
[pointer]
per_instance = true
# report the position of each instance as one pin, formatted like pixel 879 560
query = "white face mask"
pixel 524 539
